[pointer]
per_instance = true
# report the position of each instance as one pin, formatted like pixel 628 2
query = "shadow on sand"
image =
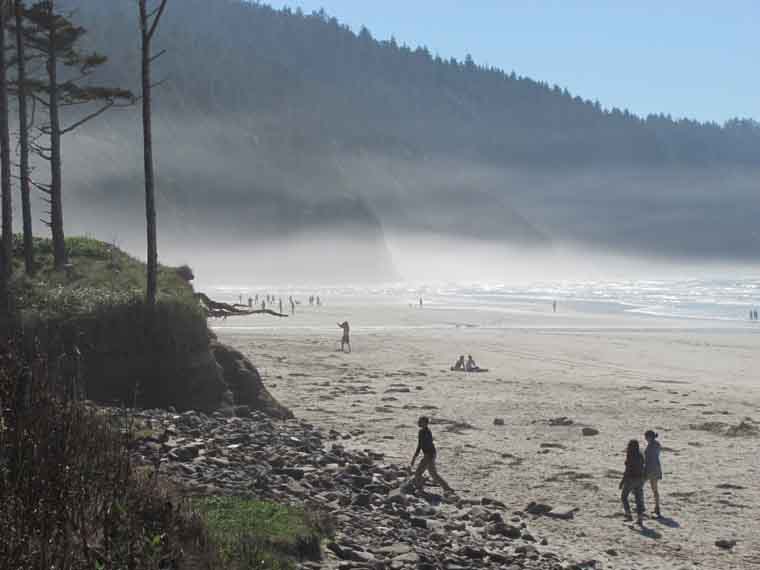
pixel 668 522
pixel 646 532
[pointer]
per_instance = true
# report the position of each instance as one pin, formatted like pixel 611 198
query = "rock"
pixel 611 552
pixel 537 508
pixel 395 550
pixel 407 558
pixel 561 421
pixel 472 553
pixel 498 422
pixel 362 500
pixel 502 529
pixel 589 431
pixel 335 548
pixel 496 557
pixel 486 502
pixel 562 512
pixel 418 523
pixel 185 453
pixel 245 382
pixel 726 544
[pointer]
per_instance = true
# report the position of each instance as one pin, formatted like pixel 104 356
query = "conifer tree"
pixel 149 20
pixel 6 249
pixel 67 67
pixel 23 119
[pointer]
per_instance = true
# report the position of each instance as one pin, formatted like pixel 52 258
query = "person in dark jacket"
pixel 633 480
pixel 426 446
pixel 653 469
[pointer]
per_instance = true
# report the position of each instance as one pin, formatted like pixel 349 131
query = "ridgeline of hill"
pixel 278 125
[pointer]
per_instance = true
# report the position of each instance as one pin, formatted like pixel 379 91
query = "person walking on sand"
pixel 653 469
pixel 633 481
pixel 426 446
pixel 346 340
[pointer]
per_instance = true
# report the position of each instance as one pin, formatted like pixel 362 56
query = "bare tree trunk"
pixel 23 119
pixel 5 169
pixel 56 198
pixel 147 30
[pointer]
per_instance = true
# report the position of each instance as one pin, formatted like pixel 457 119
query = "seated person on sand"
pixel 471 366
pixel 459 365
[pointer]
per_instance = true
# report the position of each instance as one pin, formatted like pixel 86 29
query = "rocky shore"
pixel 380 520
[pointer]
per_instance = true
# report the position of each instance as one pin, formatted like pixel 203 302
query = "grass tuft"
pixel 251 533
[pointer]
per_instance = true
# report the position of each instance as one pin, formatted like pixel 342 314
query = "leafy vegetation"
pixel 100 277
pixel 260 534
pixel 70 495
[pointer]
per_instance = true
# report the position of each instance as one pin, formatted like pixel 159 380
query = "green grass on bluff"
pixel 100 276
pixel 260 534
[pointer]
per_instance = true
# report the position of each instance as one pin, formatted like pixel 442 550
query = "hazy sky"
pixel 693 58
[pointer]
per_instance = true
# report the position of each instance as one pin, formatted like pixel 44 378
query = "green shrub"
pixel 69 494
pixel 259 534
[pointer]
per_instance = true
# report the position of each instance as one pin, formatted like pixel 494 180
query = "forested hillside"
pixel 275 122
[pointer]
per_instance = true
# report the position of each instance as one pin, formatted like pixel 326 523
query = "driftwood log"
pixel 219 310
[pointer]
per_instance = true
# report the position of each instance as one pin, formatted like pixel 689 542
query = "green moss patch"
pixel 252 533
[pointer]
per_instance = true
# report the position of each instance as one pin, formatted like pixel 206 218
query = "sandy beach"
pixel 695 382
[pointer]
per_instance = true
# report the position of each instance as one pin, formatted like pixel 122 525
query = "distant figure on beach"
pixel 426 446
pixel 345 341
pixel 250 303
pixel 256 299
pixel 280 305
pixel 319 301
pixel 420 302
pixel 653 469
pixel 554 306
pixel 470 366
pixel 459 364
pixel 633 481
pixel 263 305
pixel 292 305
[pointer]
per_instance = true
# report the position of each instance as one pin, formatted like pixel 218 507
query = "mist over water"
pixel 474 273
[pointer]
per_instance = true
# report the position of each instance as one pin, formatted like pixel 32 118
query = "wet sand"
pixel 695 382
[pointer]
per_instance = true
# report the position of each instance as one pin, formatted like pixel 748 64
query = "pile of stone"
pixel 380 520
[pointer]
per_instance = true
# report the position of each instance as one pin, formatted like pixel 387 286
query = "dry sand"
pixel 695 382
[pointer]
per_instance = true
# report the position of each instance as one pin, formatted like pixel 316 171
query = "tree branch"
pixel 157 13
pixel 155 57
pixel 89 117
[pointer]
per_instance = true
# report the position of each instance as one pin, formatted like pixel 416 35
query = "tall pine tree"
pixel 23 119
pixel 6 249
pixel 149 20
pixel 67 68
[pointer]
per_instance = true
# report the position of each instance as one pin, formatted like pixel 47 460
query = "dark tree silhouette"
pixel 5 166
pixel 57 38
pixel 23 119
pixel 149 21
